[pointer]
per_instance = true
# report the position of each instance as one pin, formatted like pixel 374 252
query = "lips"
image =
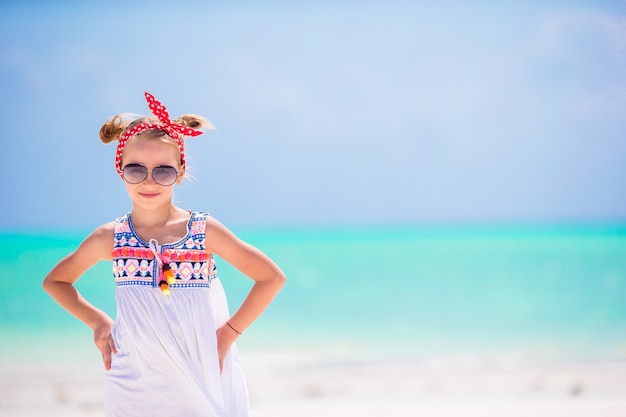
pixel 149 195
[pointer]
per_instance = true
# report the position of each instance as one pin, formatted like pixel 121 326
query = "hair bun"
pixel 194 121
pixel 112 129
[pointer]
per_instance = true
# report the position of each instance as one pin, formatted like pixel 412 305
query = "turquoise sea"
pixel 542 291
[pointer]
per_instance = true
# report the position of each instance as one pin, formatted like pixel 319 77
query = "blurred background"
pixel 434 178
pixel 326 112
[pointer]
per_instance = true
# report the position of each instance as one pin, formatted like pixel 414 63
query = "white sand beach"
pixel 286 384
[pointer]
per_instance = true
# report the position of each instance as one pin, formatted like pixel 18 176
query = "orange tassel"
pixel 169 275
pixel 164 287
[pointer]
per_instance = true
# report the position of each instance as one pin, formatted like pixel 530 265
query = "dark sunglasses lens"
pixel 134 174
pixel 165 175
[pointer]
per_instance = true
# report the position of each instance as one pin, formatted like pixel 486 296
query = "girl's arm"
pixel 267 276
pixel 59 283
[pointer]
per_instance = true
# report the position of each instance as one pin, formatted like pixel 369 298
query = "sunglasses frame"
pixel 150 172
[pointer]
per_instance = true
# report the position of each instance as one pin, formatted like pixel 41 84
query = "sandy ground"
pixel 284 384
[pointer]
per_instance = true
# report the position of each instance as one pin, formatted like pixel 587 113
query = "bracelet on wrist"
pixel 235 330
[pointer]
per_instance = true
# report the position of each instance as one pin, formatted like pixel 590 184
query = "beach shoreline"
pixel 515 325
pixel 315 383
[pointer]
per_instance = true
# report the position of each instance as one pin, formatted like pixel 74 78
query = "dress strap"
pixel 121 224
pixel 198 224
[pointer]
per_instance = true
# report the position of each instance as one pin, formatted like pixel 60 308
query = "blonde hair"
pixel 114 128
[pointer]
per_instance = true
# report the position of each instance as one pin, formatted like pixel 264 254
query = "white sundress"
pixel 166 362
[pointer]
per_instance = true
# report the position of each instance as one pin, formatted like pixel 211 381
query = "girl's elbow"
pixel 280 279
pixel 47 284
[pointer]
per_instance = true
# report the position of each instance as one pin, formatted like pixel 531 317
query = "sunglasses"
pixel 163 174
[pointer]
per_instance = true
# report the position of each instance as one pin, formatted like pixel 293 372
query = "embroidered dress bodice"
pixel 167 361
pixel 135 263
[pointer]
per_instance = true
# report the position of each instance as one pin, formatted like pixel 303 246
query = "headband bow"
pixel 175 130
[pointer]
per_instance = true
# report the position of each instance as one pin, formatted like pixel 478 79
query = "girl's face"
pixel 151 153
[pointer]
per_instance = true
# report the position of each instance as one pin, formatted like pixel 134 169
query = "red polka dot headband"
pixel 174 130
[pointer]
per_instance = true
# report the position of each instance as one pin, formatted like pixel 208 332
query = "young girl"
pixel 170 351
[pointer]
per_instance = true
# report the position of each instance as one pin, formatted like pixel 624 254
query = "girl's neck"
pixel 157 217
pixel 166 226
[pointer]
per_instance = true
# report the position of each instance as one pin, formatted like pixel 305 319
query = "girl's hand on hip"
pixel 225 338
pixel 104 342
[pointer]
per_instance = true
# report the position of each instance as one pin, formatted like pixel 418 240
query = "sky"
pixel 327 113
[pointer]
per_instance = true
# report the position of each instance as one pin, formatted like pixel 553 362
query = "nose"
pixel 149 179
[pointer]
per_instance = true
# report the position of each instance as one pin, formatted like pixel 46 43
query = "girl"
pixel 170 351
